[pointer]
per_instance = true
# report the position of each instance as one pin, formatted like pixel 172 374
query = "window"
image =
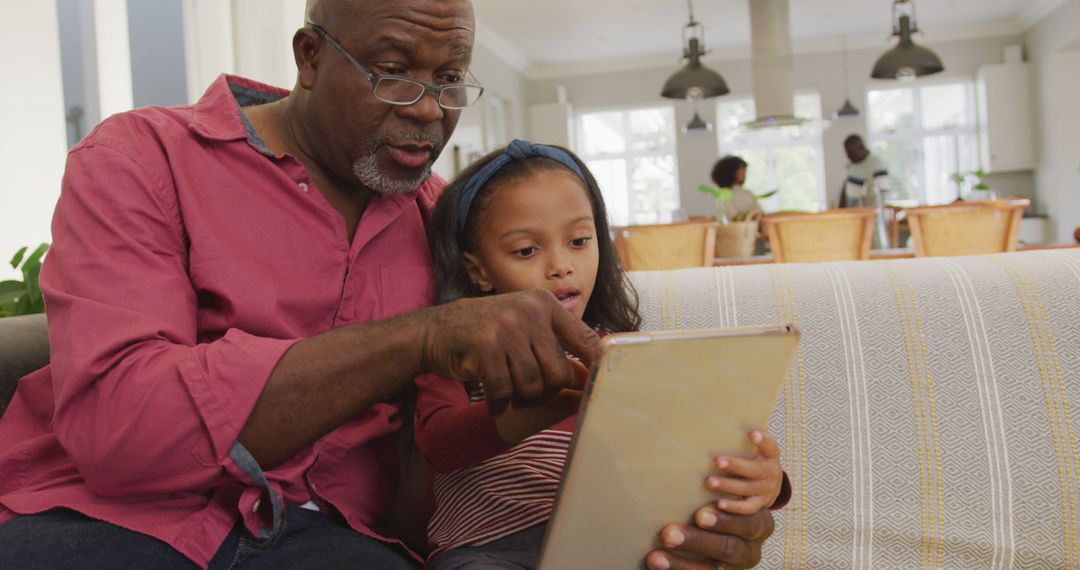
pixel 790 159
pixel 925 135
pixel 631 152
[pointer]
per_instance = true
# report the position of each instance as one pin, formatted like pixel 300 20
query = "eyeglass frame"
pixel 374 79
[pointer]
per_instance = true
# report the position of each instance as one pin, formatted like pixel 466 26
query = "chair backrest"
pixel 834 235
pixel 966 228
pixel 24 347
pixel 666 246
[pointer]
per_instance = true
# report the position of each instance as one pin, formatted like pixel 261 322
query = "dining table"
pixel 875 254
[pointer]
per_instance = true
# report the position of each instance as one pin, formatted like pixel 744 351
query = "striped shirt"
pixel 485 489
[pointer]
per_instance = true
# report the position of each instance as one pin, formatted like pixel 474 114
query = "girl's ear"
pixel 477 273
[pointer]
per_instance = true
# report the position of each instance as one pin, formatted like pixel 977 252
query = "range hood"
pixel 773 67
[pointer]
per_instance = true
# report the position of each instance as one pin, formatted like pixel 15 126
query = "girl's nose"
pixel 560 267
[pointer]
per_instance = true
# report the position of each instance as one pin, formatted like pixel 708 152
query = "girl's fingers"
pixel 748 468
pixel 767 445
pixel 747 506
pixel 740 487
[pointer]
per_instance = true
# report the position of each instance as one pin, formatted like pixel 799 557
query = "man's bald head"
pixel 348 12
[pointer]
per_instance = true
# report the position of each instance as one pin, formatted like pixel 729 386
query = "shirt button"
pixel 255 506
pixel 303 186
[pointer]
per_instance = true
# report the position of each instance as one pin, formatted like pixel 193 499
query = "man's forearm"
pixel 323 381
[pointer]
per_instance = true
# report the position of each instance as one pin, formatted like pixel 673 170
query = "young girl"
pixel 528 217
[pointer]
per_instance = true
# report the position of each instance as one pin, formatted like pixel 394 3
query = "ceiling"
pixel 557 33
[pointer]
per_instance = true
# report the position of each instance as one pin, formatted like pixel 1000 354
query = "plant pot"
pixel 736 239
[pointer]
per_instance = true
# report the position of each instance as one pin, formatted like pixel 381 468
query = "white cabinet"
pixel 1006 118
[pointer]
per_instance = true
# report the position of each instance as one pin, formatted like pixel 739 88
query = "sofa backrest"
pixel 930 417
pixel 24 347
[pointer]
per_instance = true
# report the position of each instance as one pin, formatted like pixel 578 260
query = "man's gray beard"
pixel 366 169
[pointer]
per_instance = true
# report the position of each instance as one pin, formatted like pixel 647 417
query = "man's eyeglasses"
pixel 400 90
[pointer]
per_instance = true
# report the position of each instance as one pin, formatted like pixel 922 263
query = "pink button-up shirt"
pixel 185 263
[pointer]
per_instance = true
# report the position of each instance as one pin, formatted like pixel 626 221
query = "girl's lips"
pixel 410 156
pixel 569 297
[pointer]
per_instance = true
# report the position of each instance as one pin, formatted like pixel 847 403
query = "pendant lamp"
pixel 848 109
pixel 907 60
pixel 694 80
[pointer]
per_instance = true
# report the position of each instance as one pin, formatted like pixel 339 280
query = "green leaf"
pixel 767 194
pixel 31 272
pixel 17 259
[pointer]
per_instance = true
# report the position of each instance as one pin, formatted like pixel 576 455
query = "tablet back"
pixel 660 406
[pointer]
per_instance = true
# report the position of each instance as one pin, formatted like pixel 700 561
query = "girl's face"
pixel 740 176
pixel 538 233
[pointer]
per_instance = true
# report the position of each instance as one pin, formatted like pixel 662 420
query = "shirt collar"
pixel 217 114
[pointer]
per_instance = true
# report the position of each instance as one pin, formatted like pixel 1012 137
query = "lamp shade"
pixel 906 60
pixel 694 80
pixel 847 110
pixel 697 125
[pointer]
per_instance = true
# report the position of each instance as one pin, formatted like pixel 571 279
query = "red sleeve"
pixel 784 496
pixel 452 432
pixel 142 406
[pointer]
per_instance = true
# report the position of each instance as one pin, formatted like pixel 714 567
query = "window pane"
pixel 730 117
pixel 891 110
pixel 797 178
pixel 944 106
pixel 945 156
pixel 903 161
pixel 808 105
pixel 603 133
pixel 611 177
pixel 650 130
pixel 652 185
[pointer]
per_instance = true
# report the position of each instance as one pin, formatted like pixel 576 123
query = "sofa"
pixel 930 415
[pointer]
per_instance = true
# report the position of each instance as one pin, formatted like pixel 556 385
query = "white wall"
pixel 33 142
pixel 818 71
pixel 1053 47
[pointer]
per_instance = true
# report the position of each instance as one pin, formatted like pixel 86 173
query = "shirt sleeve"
pixel 143 404
pixel 452 432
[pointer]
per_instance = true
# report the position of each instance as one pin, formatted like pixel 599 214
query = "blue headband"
pixel 517 149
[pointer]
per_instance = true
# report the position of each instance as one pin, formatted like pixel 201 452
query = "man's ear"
pixel 306 46
pixel 477 273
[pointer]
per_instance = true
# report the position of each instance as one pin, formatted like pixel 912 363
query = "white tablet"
pixel 659 407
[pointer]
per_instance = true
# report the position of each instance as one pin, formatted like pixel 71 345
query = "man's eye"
pixel 390 69
pixel 451 77
pixel 525 251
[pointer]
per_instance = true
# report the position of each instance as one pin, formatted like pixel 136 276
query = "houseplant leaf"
pixel 17 258
pixel 31 271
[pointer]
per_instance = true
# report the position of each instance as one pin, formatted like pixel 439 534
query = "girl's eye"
pixel 525 251
pixel 580 242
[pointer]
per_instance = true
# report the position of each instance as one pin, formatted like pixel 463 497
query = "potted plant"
pixel 24 297
pixel 973 185
pixel 735 237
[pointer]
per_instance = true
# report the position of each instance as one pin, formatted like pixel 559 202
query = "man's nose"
pixel 425 111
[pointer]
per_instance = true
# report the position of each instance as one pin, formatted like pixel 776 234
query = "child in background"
pixel 529 217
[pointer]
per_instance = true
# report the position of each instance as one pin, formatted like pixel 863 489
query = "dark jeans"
pixel 519 551
pixel 63 539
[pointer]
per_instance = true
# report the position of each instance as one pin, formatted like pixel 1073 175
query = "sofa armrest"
pixel 24 348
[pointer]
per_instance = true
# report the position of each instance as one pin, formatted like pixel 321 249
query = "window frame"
pixel 629 154
pixel 919 133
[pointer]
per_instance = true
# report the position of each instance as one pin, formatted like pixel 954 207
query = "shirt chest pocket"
pixel 405 288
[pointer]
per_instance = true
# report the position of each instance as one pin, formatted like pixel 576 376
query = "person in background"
pixel 865 175
pixel 730 172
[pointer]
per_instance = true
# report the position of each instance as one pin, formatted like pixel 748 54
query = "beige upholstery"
pixel 666 246
pixel 825 236
pixel 966 228
pixel 931 417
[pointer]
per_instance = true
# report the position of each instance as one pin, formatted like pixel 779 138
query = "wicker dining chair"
pixel 974 227
pixel 833 235
pixel 666 246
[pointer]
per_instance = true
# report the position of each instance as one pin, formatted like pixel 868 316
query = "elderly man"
pixel 236 297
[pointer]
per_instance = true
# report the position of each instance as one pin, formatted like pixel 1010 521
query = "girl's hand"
pixel 753 484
